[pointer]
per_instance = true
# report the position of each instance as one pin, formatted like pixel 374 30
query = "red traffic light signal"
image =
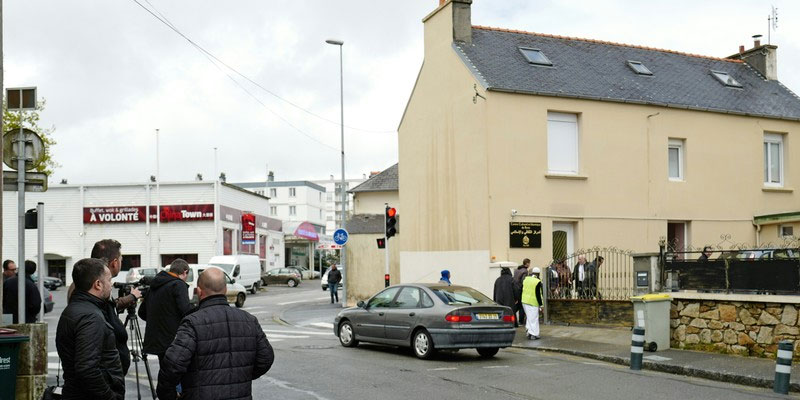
pixel 381 243
pixel 386 278
pixel 391 221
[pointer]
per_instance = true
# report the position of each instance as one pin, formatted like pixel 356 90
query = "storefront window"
pixel 227 242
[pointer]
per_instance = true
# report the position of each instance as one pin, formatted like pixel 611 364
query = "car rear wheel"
pixel 347 336
pixel 240 300
pixel 487 352
pixel 423 345
pixel 292 283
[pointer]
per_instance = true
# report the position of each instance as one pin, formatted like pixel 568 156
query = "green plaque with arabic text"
pixel 526 235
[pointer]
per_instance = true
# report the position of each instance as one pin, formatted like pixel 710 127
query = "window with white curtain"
pixel 676 162
pixel 292 210
pixel 562 143
pixel 773 159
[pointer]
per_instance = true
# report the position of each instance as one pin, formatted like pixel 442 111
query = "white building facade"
pixel 198 220
pixel 333 200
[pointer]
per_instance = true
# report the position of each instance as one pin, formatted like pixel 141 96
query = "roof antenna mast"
pixel 772 23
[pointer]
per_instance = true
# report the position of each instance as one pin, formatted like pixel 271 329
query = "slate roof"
pixel 369 224
pixel 597 70
pixel 385 181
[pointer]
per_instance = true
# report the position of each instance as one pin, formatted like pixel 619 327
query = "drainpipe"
pixel 758 232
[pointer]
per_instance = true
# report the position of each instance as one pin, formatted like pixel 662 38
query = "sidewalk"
pixel 614 345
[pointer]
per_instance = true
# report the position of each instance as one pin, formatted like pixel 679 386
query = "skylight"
pixel 639 68
pixel 726 79
pixel 535 56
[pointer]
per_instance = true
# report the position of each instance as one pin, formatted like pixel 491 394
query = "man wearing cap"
pixel 531 301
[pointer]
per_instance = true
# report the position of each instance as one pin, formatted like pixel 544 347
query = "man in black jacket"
pixel 166 303
pixel 334 277
pixel 504 290
pixel 218 350
pixel 85 341
pixel 33 301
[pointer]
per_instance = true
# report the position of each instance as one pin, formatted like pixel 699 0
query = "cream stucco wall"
pixel 375 202
pixel 366 266
pixel 467 165
pixel 770 234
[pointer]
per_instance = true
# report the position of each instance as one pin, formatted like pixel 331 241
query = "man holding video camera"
pixel 164 306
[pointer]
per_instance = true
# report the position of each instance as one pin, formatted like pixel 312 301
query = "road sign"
pixel 34 148
pixel 21 99
pixel 34 181
pixel 340 236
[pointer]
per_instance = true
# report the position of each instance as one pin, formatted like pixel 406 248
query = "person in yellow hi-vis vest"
pixel 531 301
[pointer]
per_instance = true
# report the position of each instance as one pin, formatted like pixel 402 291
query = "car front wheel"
pixel 423 345
pixel 487 352
pixel 240 300
pixel 347 336
pixel 292 283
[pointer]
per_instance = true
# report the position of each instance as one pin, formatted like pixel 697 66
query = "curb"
pixel 670 369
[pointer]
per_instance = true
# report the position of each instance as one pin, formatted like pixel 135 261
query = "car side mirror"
pixel 361 304
pixel 233 280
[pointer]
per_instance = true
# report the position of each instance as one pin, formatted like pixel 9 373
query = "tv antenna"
pixel 772 23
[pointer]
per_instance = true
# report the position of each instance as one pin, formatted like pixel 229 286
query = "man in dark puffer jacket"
pixel 166 303
pixel 85 340
pixel 205 364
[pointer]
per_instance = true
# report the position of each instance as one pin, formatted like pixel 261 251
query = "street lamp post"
pixel 344 192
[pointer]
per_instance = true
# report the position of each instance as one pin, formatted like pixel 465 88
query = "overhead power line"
pixel 163 19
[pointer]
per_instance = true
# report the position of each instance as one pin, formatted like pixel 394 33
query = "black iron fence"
pixel 606 273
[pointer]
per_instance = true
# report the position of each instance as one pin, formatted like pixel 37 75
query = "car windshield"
pixel 461 295
pixel 226 267
pixel 148 271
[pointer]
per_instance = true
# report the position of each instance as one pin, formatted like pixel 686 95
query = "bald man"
pixel 206 366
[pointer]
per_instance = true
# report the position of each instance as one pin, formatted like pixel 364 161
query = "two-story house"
pixel 587 142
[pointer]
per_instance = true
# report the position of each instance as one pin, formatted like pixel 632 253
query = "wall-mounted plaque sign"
pixel 525 235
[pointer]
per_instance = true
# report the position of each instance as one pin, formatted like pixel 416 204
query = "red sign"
pixel 248 229
pixel 169 213
pixel 307 231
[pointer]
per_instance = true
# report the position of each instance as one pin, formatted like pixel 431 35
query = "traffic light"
pixel 381 243
pixel 386 279
pixel 391 221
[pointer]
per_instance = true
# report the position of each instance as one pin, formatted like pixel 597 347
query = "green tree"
pixel 30 120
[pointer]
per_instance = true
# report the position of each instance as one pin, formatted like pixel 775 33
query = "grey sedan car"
pixel 428 317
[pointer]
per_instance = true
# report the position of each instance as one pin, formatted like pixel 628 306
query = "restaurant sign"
pixel 130 214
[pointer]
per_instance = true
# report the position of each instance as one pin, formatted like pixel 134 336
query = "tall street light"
pixel 344 192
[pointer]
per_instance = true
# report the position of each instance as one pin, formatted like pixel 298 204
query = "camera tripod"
pixel 132 323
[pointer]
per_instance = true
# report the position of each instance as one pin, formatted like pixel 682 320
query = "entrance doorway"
pixel 677 236
pixel 57 269
pixel 563 239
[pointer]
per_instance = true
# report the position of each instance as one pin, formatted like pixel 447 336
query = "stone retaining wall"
pixel 744 328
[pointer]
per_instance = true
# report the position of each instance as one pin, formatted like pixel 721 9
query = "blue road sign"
pixel 340 236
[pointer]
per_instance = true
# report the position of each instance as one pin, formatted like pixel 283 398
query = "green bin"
pixel 9 361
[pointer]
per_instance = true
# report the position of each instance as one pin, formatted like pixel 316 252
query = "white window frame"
pixel 292 192
pixel 292 210
pixel 273 210
pixel 771 139
pixel 677 144
pixel 273 192
pixel 559 117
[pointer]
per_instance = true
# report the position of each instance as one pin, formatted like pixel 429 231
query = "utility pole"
pixel 2 90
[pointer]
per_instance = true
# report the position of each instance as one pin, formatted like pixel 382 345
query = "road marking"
pixel 286 385
pixel 327 325
pixel 52 365
pixel 274 335
pixel 259 312
pixel 298 332
pixel 657 358
pixel 544 364
pixel 252 308
pixel 496 366
pixel 301 301
pixel 52 354
pixel 443 369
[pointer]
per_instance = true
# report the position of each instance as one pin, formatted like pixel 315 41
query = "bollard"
pixel 783 367
pixel 637 348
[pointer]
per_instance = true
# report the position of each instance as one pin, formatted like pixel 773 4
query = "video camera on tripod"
pixel 124 288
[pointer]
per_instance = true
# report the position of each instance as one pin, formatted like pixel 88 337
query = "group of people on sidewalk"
pixel 580 282
pixel 212 351
pixel 523 293
pixel 33 300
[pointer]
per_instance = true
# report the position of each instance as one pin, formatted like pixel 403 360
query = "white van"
pixel 246 269
pixel 236 292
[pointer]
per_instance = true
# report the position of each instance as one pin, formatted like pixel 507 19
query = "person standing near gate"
pixel 532 297
pixel 334 277
pixel 579 277
pixel 33 301
pixel 504 290
pixel 519 276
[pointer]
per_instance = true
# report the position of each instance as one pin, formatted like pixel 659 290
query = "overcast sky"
pixel 112 73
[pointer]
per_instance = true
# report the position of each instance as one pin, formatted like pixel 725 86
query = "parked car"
pixel 136 274
pixel 427 318
pixel 306 273
pixel 286 276
pixel 48 301
pixel 49 281
pixel 324 281
pixel 246 269
pixel 767 254
pixel 236 294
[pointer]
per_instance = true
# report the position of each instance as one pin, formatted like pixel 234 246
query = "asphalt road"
pixel 310 364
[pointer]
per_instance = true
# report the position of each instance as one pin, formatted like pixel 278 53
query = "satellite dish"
pixel 34 149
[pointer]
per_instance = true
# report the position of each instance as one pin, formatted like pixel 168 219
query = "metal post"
pixel 343 257
pixel 21 273
pixel 637 348
pixel 1 151
pixel 40 252
pixel 546 290
pixel 158 205
pixel 386 243
pixel 783 367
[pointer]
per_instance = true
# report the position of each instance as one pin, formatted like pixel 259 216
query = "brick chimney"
pixel 460 10
pixel 762 58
